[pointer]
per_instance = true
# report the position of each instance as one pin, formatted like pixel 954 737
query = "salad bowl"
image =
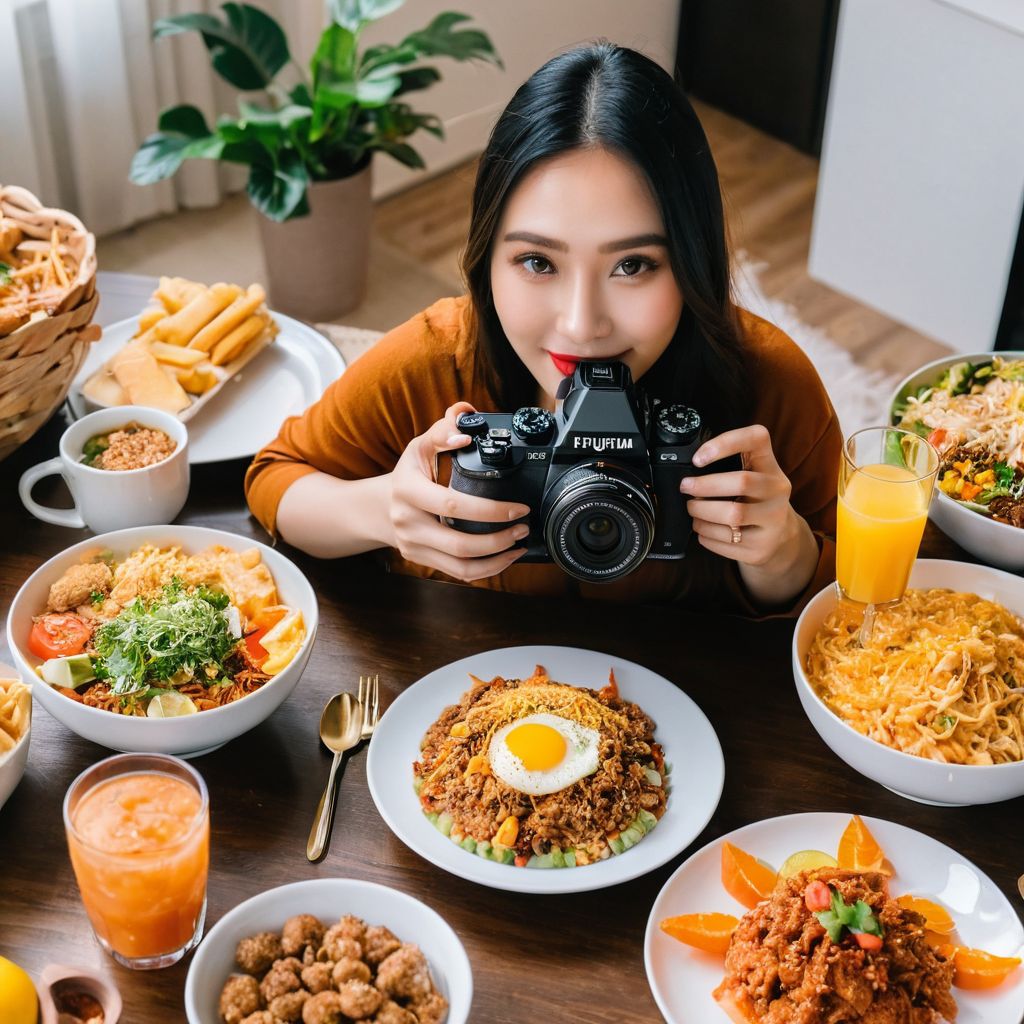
pixel 185 735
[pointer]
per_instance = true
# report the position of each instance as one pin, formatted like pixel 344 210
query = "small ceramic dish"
pixel 67 993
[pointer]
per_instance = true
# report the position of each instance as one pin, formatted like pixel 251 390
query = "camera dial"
pixel 533 425
pixel 676 424
pixel 472 423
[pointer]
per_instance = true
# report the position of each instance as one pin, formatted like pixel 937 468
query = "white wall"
pixel 922 176
pixel 525 33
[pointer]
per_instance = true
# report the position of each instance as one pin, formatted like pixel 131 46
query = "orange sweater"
pixel 365 420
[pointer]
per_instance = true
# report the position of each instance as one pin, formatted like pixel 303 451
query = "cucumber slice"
pixel 73 671
pixel 503 854
pixel 444 823
pixel 432 817
pixel 646 820
pixel 542 860
pixel 483 849
pixel 569 857
pixel 469 844
pixel 631 837
pixel 617 845
pixel 417 785
pixel 652 776
pixel 557 858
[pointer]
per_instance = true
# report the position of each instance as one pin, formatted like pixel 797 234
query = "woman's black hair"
pixel 616 98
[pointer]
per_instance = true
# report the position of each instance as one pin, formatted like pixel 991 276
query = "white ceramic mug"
pixel 114 499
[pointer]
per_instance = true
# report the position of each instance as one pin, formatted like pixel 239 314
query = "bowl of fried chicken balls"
pixel 330 951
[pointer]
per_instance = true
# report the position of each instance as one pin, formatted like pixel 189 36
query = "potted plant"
pixel 309 149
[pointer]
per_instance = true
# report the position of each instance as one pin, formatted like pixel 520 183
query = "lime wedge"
pixel 171 705
pixel 807 860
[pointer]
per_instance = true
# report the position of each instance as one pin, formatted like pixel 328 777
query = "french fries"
pixel 186 343
pixel 15 712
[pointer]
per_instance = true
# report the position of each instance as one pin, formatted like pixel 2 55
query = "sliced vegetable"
pixel 858 918
pixel 58 634
pixel 73 671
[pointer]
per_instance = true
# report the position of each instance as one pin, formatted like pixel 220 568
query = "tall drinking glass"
pixel 138 830
pixel 886 482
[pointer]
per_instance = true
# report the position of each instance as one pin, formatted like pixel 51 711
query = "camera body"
pixel 601 474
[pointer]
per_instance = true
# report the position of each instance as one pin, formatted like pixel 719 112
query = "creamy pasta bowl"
pixel 917 778
pixel 992 542
pixel 188 735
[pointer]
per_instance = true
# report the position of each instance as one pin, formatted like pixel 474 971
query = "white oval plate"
pixel 285 378
pixel 689 742
pixel 682 978
pixel 329 898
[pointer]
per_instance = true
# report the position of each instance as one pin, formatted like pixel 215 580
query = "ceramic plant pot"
pixel 317 264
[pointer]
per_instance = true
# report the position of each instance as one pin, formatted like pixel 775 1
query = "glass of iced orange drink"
pixel 886 482
pixel 138 828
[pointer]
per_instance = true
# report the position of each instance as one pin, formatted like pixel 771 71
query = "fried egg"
pixel 543 753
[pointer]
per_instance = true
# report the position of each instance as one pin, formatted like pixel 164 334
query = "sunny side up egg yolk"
pixel 539 747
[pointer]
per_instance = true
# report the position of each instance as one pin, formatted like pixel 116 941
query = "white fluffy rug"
pixel 860 396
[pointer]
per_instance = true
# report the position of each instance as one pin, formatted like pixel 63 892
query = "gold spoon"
pixel 340 728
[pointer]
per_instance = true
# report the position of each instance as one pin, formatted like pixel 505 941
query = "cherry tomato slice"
pixel 58 634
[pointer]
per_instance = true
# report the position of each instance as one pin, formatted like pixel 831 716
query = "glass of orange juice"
pixel 886 482
pixel 138 829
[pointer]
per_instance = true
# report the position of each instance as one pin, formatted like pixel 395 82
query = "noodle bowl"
pixel 896 734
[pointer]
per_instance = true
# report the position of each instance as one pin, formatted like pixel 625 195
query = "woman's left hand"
pixel 745 515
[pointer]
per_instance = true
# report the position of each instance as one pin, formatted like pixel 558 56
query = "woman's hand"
pixel 417 501
pixel 745 515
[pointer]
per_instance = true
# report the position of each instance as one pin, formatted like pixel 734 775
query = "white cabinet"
pixel 922 174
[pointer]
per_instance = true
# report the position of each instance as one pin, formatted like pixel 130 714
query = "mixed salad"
pixel 974 417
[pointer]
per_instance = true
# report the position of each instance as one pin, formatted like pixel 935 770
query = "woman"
pixel 597 233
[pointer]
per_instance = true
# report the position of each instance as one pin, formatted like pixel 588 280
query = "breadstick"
pixel 180 327
pixel 232 346
pixel 237 313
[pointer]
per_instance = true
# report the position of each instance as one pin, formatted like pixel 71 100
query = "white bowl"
pixel 915 777
pixel 992 542
pixel 12 765
pixel 189 735
pixel 328 899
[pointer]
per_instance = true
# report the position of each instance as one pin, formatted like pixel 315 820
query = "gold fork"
pixel 369 700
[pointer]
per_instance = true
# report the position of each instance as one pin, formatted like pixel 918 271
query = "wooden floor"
pixel 769 193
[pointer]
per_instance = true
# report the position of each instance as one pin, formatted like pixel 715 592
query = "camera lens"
pixel 598 522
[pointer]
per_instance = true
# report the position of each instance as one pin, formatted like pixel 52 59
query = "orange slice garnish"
pixel 936 918
pixel 858 850
pixel 710 932
pixel 976 969
pixel 745 878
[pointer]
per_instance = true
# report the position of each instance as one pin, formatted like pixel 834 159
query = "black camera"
pixel 601 474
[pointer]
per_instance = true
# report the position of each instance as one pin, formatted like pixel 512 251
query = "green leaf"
pixel 367 93
pixel 184 120
pixel 441 39
pixel 354 14
pixel 417 78
pixel 247 50
pixel 278 189
pixel 857 918
pixel 376 56
pixel 402 152
pixel 163 153
pixel 283 117
pixel 335 57
pixel 5 273
pixel 301 96
pixel 1004 474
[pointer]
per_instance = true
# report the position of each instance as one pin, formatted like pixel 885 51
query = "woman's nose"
pixel 582 318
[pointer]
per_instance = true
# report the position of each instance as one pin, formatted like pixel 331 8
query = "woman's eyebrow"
pixel 634 242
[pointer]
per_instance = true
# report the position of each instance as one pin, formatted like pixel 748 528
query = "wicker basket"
pixel 39 359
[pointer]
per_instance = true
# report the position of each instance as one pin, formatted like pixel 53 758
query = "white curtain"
pixel 82 83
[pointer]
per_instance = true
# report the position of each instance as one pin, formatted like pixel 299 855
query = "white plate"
pixel 284 379
pixel 689 742
pixel 682 978
pixel 329 899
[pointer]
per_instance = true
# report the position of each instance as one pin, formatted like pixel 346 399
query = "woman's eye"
pixel 535 264
pixel 633 266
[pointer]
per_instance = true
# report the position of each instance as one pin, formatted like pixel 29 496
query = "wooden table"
pixel 535 959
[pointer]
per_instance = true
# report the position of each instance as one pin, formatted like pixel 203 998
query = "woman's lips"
pixel 566 365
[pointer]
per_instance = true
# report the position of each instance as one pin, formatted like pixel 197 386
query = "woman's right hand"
pixel 417 500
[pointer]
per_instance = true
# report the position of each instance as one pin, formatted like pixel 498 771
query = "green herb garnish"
pixel 176 632
pixel 944 722
pixel 97 596
pixel 857 918
pixel 1004 474
pixel 5 273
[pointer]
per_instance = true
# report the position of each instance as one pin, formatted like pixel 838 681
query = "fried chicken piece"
pixel 256 953
pixel 317 977
pixel 289 963
pixel 239 997
pixel 379 943
pixel 431 1010
pixel 392 1013
pixel 289 1006
pixel 300 931
pixel 77 584
pixel 348 969
pixel 351 927
pixel 339 946
pixel 405 975
pixel 323 1008
pixel 260 1017
pixel 359 1000
pixel 279 982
